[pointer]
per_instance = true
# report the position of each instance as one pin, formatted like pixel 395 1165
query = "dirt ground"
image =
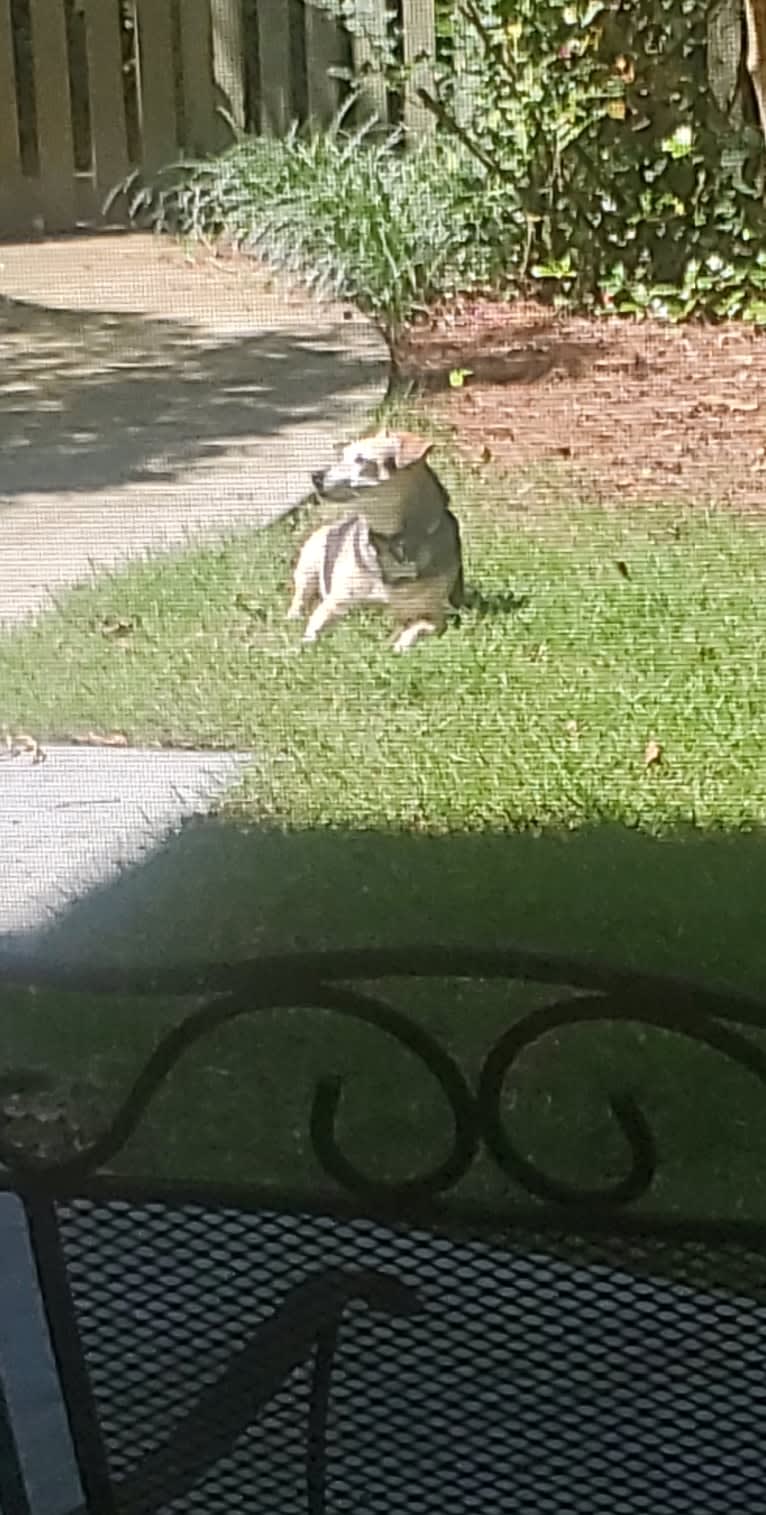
pixel 628 409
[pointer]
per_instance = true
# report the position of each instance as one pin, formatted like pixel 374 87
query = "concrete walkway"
pixel 68 823
pixel 147 400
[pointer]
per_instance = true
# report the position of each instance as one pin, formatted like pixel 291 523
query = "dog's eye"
pixel 368 469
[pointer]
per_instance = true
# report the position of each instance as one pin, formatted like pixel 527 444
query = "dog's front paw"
pixel 412 634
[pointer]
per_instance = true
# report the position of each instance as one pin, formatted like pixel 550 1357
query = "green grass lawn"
pixel 535 716
pixel 491 787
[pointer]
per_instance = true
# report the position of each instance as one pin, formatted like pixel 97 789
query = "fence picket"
pixel 197 69
pixel 54 113
pixel 107 101
pixel 11 181
pixel 419 25
pixel 325 49
pixel 371 17
pixel 228 65
pixel 275 66
pixel 468 62
pixel 159 128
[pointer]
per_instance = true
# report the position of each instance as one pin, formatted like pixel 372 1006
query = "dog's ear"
pixel 410 448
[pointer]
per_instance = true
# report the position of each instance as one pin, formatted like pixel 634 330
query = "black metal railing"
pixel 387 1344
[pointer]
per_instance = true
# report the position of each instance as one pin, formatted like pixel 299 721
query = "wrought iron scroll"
pixel 221 993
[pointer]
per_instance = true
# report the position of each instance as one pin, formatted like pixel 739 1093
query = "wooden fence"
pixel 91 89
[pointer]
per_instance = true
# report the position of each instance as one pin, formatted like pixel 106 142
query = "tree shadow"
pixel 688 907
pixel 247 1102
pixel 687 903
pixel 91 400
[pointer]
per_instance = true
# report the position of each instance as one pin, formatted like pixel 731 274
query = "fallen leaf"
pixel 110 738
pixel 101 739
pixel 727 403
pixel 458 376
pixel 242 603
pixel 572 729
pixel 652 753
pixel 19 742
pixel 114 626
pixel 625 67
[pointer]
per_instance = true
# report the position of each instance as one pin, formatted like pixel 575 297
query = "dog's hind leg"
pixel 306 580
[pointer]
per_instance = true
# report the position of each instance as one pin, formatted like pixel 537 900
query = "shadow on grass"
pixel 692 904
pixel 494 604
pixel 239 1098
pixel 91 400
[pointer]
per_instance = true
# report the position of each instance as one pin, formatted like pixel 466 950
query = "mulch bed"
pixel 634 410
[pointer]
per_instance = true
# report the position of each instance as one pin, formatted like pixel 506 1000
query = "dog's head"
pixel 369 463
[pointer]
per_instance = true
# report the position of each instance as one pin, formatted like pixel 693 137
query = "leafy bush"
pixel 623 136
pixel 636 162
pixel 606 153
pixel 353 214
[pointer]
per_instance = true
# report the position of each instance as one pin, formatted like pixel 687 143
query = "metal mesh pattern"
pixel 520 1377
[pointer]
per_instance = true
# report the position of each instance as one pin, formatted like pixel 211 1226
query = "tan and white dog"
pixel 400 549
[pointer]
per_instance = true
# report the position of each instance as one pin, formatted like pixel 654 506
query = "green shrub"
pixel 635 156
pixel 352 213
pixel 623 136
pixel 631 148
pixel 603 153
